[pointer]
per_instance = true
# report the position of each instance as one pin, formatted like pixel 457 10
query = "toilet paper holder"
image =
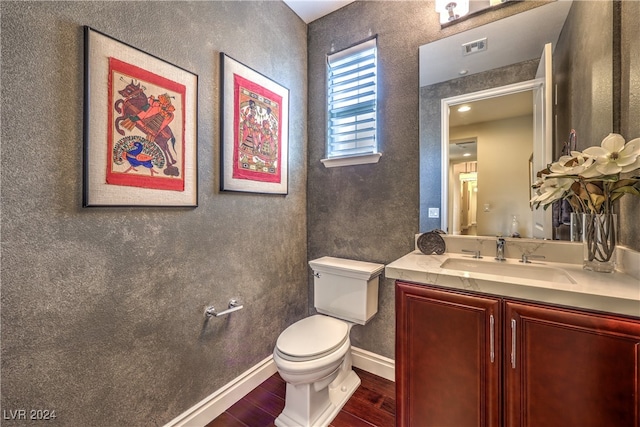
pixel 234 305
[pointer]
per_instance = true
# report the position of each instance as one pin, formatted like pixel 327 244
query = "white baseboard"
pixel 215 404
pixel 374 363
pixel 218 402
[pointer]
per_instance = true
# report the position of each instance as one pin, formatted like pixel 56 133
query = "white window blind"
pixel 352 93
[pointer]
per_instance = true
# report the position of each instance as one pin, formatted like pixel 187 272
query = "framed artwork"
pixel 140 127
pixel 254 131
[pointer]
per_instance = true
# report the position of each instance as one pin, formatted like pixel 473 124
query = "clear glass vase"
pixel 576 223
pixel 599 241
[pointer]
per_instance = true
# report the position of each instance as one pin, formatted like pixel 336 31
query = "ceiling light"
pixel 451 10
pixel 464 108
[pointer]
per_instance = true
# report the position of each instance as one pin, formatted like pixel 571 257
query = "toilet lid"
pixel 312 337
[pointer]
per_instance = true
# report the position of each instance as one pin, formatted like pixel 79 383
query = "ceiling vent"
pixel 474 47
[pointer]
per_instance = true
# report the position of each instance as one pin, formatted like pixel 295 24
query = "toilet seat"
pixel 311 338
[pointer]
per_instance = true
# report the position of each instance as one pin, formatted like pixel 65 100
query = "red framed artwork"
pixel 140 127
pixel 255 120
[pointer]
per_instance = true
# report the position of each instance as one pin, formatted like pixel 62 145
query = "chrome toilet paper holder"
pixel 234 305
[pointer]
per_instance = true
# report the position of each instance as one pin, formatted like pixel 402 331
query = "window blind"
pixel 352 88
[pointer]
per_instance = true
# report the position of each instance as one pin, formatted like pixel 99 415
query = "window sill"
pixel 362 159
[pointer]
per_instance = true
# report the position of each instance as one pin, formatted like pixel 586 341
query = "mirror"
pixel 511 127
pixel 443 82
pixel 488 138
pixel 452 11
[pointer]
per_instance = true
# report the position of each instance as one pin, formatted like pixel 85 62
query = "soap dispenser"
pixel 514 227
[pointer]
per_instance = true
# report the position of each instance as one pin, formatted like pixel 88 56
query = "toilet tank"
pixel 346 289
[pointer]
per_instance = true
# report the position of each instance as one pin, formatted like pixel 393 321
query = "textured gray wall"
pixel 368 212
pixel 105 343
pixel 589 95
pixel 371 212
pixel 102 308
pixel 630 113
pixel 583 72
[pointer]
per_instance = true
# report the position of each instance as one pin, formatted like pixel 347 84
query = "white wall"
pixel 504 149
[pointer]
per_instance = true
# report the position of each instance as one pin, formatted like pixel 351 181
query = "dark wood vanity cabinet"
pixel 448 362
pixel 466 359
pixel 568 367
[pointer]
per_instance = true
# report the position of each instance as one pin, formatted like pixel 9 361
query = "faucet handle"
pixel 476 254
pixel 500 243
pixel 526 257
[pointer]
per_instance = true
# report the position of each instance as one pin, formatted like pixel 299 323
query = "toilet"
pixel 313 355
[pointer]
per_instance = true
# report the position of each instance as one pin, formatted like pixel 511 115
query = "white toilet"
pixel 314 354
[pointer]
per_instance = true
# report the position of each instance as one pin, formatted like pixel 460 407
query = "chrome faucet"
pixel 500 249
pixel 526 257
pixel 476 254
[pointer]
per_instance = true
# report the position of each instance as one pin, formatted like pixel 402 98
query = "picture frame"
pixel 254 130
pixel 140 127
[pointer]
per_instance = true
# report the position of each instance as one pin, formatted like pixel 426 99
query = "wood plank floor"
pixel 372 405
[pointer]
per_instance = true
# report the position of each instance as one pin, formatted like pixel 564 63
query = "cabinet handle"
pixel 513 343
pixel 491 338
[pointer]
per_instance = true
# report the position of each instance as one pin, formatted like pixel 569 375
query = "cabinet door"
pixel 447 358
pixel 570 369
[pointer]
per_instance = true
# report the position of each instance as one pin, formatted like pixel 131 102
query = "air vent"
pixel 474 47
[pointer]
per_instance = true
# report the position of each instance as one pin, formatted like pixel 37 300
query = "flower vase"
pixel 576 222
pixel 599 241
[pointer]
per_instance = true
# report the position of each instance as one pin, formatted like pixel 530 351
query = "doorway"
pixel 495 136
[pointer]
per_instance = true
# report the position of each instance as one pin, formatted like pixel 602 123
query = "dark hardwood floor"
pixel 372 405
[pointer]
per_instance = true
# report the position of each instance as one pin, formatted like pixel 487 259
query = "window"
pixel 352 94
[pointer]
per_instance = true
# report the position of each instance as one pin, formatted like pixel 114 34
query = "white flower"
pixel 613 156
pixel 635 165
pixel 575 164
pixel 590 180
pixel 552 189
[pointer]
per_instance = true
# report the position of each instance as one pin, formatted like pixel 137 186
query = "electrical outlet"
pixel 434 212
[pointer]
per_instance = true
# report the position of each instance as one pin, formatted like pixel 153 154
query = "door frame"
pixel 446 104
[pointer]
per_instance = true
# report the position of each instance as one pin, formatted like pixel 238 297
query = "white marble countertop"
pixel 616 292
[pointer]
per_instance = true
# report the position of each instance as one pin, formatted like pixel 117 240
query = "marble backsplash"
pixel 628 261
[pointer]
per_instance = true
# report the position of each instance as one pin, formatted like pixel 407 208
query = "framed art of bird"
pixel 140 127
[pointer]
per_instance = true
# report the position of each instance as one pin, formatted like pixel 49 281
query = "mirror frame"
pixel 445 105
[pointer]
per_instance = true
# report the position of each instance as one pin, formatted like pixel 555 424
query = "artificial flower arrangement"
pixel 591 180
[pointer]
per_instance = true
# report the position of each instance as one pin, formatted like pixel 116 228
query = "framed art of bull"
pixel 254 130
pixel 140 127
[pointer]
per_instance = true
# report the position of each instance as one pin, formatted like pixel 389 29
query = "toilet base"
pixel 335 396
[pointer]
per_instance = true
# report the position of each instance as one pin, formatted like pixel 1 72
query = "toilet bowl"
pixel 313 355
pixel 319 376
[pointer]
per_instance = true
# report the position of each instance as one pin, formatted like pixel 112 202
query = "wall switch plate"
pixel 434 212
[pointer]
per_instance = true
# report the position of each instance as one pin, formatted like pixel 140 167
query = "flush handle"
pixel 316 275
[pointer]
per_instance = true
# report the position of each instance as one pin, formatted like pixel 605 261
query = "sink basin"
pixel 519 270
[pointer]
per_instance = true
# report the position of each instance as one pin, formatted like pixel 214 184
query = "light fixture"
pixel 464 109
pixel 466 155
pixel 451 10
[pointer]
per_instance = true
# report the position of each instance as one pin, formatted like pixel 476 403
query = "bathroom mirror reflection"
pixel 455 213
pixel 452 11
pixel 489 138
